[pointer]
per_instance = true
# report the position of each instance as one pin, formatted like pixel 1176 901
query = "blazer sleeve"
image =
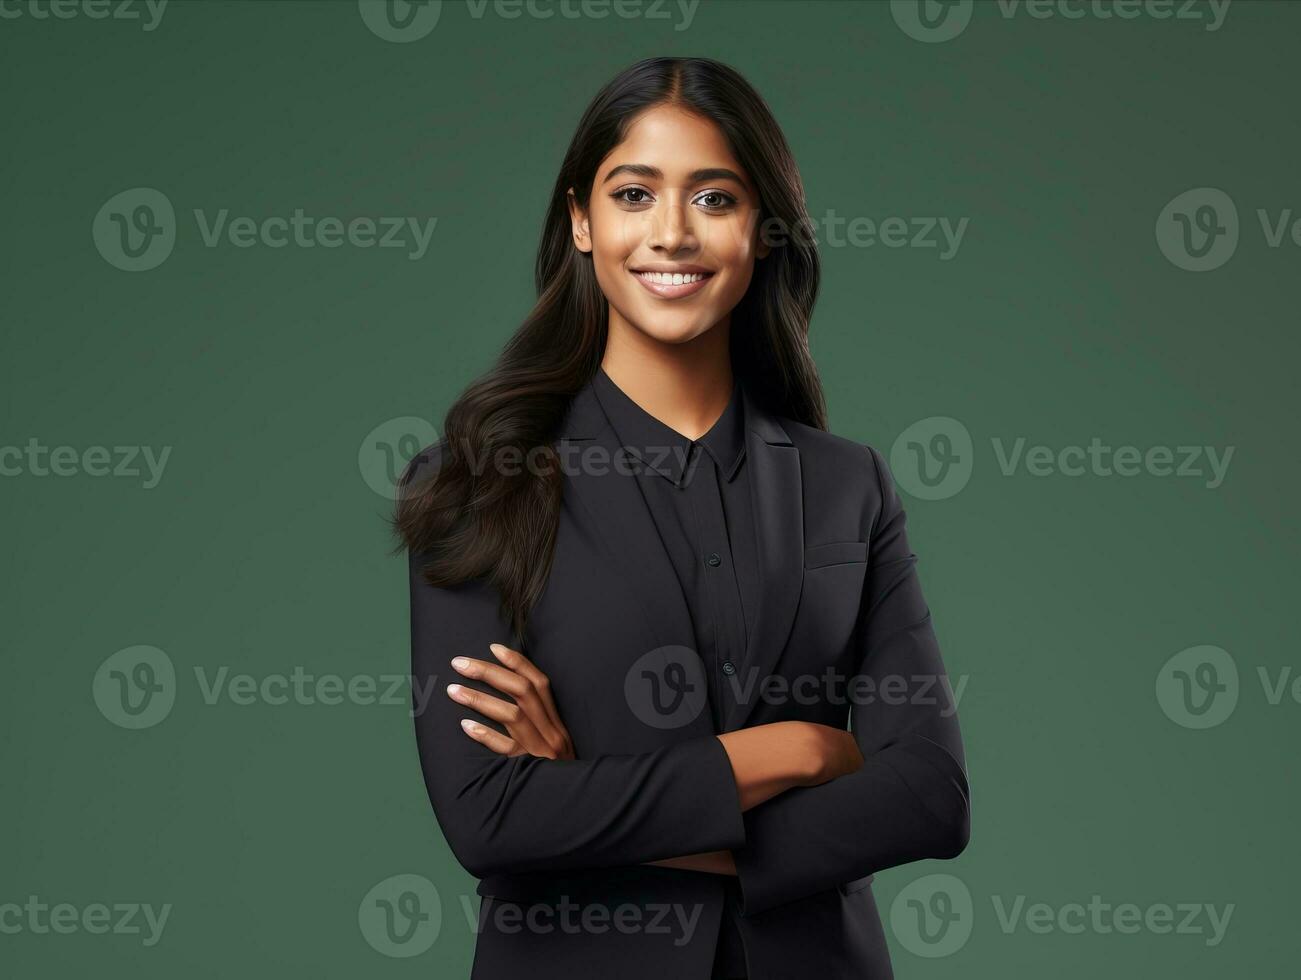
pixel 910 799
pixel 504 815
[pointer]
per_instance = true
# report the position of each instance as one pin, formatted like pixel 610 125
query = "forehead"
pixel 673 140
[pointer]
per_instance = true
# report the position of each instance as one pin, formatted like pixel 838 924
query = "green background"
pixel 263 548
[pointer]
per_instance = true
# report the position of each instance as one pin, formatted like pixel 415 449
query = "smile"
pixel 673 285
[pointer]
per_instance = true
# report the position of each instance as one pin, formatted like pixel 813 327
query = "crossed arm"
pixel 790 808
pixel 766 760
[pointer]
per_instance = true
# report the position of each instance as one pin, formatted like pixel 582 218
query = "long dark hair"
pixel 469 521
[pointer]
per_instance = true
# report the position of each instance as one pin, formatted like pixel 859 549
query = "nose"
pixel 670 227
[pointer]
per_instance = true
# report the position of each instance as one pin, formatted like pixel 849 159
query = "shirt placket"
pixel 721 595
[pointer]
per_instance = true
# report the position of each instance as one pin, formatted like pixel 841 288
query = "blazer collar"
pixel 618 511
pixel 664 449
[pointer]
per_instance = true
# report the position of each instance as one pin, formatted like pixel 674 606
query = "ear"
pixel 579 221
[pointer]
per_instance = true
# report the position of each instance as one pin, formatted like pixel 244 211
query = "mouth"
pixel 672 285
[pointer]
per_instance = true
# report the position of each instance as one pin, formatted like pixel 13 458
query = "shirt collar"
pixel 663 449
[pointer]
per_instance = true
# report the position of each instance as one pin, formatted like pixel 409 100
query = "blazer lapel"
pixel 773 468
pixel 613 498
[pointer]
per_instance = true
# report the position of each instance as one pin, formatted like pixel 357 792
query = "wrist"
pixel 813 761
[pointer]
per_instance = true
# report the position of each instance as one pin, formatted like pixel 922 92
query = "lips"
pixel 673 285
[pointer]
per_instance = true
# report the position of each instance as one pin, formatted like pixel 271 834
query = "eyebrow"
pixel 654 173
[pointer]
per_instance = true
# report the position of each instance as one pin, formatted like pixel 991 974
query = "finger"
pixel 506 681
pixel 510 714
pixel 524 695
pixel 519 663
pixel 525 667
pixel 499 743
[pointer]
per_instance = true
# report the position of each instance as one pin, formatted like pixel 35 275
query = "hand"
pixel 533 725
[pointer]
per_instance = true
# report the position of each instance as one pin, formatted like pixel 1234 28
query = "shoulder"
pixel 836 456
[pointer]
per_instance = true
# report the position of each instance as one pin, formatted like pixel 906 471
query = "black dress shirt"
pixel 699 499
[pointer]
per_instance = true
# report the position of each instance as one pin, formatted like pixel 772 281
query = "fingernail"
pixel 470 726
pixel 457 692
pixel 460 663
pixel 496 648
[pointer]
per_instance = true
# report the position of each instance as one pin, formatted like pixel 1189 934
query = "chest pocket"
pixel 829 601
pixel 836 553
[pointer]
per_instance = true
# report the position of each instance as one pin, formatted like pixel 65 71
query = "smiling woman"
pixel 685 542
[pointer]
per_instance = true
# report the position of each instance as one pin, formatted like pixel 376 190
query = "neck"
pixel 686 386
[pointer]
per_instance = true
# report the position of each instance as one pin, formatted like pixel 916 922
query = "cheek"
pixel 616 236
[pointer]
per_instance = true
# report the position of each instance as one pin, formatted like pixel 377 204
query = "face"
pixel 673 227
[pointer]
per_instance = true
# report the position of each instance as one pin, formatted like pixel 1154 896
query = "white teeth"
pixel 671 278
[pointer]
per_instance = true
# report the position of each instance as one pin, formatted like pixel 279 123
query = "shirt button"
pixel 713 560
pixel 729 668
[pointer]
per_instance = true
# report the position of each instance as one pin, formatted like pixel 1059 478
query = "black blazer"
pixel 843 634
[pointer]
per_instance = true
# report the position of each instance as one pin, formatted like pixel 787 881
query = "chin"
pixel 671 330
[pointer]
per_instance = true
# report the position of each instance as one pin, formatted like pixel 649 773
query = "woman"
pixel 658 590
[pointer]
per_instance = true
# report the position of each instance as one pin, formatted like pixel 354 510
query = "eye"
pixel 723 200
pixel 620 195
